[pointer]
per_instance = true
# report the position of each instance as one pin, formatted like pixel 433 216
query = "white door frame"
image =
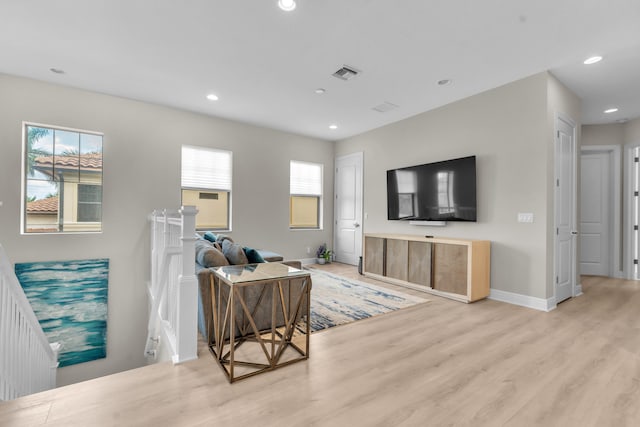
pixel 629 212
pixel 575 289
pixel 614 243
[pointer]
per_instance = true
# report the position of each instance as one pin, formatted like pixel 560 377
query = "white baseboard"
pixel 523 300
pixel 579 289
pixel 619 274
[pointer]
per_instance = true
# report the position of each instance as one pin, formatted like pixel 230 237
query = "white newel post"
pixel 187 327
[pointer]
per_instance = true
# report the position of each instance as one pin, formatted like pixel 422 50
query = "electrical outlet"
pixel 525 217
pixel 308 249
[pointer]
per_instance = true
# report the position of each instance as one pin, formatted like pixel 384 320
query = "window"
pixel 206 184
pixel 305 195
pixel 62 180
pixel 89 203
pixel 445 193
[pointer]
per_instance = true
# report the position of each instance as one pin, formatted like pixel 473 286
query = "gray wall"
pixel 632 132
pixel 607 134
pixel 612 134
pixel 142 172
pixel 510 132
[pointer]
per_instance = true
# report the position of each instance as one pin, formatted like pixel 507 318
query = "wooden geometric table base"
pixel 252 350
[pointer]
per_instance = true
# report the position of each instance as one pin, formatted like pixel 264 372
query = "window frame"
pixel 24 178
pixel 319 197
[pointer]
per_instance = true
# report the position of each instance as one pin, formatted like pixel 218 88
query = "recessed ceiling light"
pixel 212 97
pixel 592 60
pixel 56 70
pixel 320 91
pixel 610 110
pixel 287 5
pixel 333 127
pixel 444 82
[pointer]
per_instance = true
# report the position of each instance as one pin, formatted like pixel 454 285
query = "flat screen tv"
pixel 440 191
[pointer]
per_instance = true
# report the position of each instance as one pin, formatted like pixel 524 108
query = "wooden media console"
pixel 454 268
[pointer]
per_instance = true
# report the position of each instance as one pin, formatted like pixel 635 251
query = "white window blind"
pixel 306 178
pixel 206 168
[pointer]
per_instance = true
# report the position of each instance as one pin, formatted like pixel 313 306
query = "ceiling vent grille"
pixel 346 73
pixel 384 107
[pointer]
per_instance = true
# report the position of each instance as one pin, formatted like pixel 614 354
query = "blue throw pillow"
pixel 210 236
pixel 253 255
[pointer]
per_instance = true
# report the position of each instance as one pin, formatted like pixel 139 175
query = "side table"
pixel 260 316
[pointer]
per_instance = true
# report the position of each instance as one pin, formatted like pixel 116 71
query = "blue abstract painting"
pixel 69 299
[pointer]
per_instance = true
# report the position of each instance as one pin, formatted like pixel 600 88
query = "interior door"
pixel 565 188
pixel 633 194
pixel 595 207
pixel 347 240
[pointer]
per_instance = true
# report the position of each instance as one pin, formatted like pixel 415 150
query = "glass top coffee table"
pixel 260 317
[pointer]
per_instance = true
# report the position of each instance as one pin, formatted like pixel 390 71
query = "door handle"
pixel 356 225
pixel 574 233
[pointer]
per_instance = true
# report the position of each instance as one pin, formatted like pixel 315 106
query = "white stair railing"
pixel 173 296
pixel 28 362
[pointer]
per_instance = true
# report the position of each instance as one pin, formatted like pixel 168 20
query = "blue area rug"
pixel 336 300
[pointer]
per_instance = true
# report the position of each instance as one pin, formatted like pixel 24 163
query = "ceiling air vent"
pixel 346 73
pixel 384 107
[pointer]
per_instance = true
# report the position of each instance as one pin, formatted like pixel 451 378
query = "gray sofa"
pixel 210 256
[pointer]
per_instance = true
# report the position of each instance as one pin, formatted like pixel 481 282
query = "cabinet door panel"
pixel 420 263
pixel 450 268
pixel 374 255
pixel 397 257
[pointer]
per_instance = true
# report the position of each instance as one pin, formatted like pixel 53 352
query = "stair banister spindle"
pixel 28 363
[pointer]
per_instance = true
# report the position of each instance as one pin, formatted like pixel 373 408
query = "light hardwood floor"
pixel 442 363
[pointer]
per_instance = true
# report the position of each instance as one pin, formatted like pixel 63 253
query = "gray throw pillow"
pixel 209 256
pixel 234 253
pixel 221 238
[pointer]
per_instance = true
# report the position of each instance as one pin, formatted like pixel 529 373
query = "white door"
pixel 347 242
pixel 565 190
pixel 595 207
pixel 634 211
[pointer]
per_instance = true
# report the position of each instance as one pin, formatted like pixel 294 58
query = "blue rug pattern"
pixel 336 300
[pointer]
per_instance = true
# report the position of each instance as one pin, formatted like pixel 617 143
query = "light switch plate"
pixel 525 217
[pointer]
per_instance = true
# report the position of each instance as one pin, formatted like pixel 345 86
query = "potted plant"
pixel 327 255
pixel 323 255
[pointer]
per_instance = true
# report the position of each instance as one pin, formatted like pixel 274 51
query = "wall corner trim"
pixel 523 300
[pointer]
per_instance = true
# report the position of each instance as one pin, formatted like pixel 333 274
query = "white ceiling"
pixel 265 64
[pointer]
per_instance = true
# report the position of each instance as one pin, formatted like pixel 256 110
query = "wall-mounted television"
pixel 440 191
